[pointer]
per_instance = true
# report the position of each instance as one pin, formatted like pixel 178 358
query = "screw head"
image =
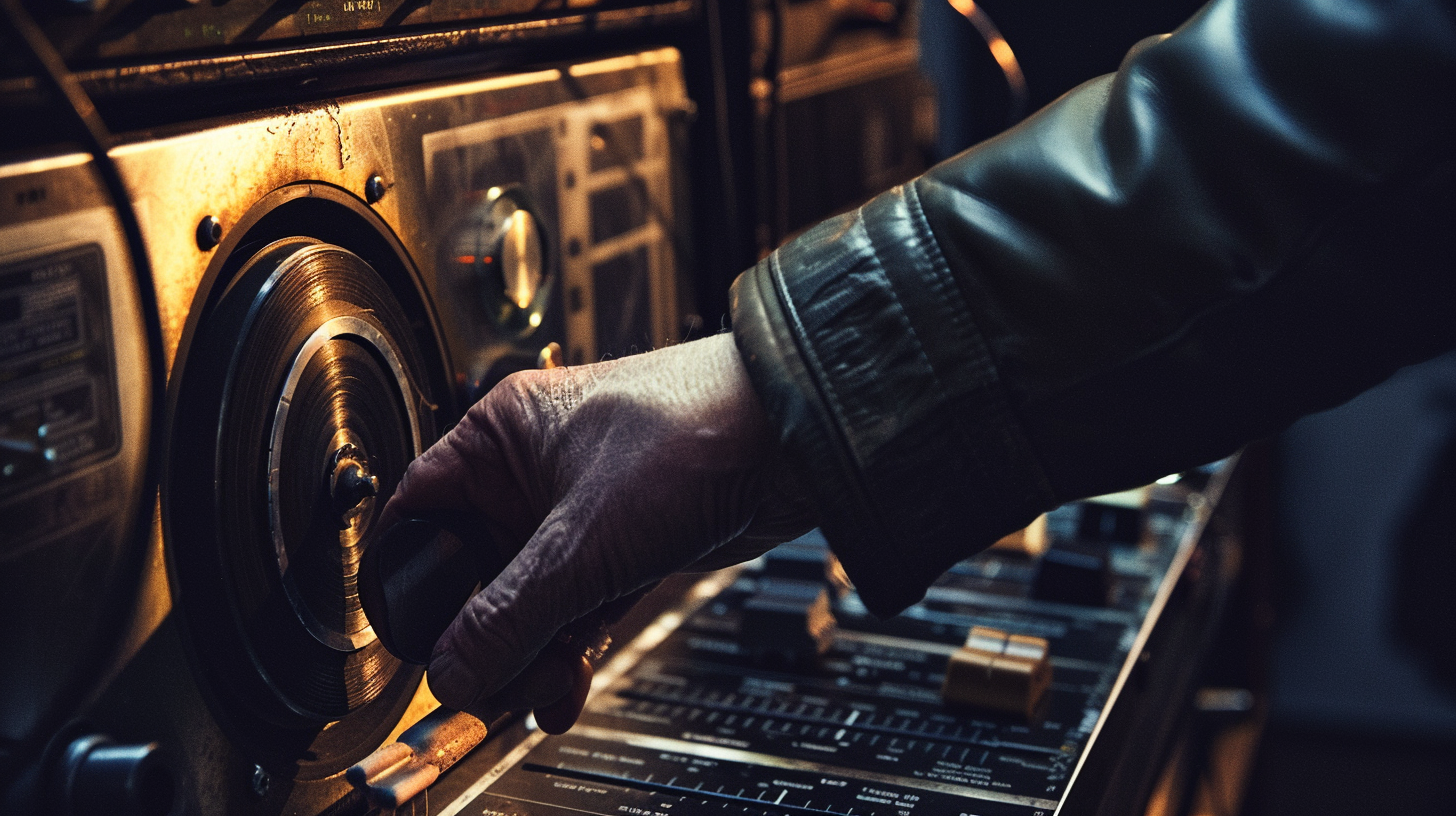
pixel 374 188
pixel 209 232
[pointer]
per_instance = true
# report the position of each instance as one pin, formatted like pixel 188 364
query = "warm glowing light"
pixel 465 259
pixel 1001 50
pixel 524 276
pixel 535 319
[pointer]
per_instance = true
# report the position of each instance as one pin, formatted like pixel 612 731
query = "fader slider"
pixel 998 671
pixel 788 622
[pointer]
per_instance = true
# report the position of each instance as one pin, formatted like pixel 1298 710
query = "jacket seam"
pixel 799 337
pixel 961 317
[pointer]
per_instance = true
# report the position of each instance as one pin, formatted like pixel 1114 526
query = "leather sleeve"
pixel 1252 220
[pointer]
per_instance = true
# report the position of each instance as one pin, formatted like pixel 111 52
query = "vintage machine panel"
pixel 598 174
pixel 334 285
pixel 356 218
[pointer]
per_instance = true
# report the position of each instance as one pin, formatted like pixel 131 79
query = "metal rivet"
pixel 374 189
pixel 209 232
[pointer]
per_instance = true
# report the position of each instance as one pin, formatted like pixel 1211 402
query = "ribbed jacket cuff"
pixel 863 352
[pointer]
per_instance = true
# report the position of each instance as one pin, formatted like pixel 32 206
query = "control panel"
pixel 59 403
pixel 73 437
pixel 776 692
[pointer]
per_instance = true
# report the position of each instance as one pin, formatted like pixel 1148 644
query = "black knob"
pixel 787 622
pixel 1079 575
pixel 416 578
pixel 803 562
pixel 99 776
pixel 1116 523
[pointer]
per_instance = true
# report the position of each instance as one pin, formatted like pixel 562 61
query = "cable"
pixel 1001 52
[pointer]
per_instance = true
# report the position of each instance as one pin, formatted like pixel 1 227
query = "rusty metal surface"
pixel 222 171
pixel 232 170
pixel 140 29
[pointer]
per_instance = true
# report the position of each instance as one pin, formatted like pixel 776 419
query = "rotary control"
pixel 499 246
pixel 351 484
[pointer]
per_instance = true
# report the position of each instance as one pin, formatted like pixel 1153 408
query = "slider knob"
pixel 1117 518
pixel 998 671
pixel 1074 575
pixel 788 622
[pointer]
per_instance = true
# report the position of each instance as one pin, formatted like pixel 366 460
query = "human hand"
pixel 596 482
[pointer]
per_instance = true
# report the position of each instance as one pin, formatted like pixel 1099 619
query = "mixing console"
pixel 694 718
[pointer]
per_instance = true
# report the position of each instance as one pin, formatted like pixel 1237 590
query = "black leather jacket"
pixel 1253 219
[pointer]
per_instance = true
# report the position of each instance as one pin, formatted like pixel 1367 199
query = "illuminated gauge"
pixel 499 248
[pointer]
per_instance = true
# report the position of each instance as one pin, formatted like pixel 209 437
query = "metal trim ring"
pixel 343 326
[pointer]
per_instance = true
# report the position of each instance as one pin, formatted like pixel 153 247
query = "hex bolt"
pixel 209 232
pixel 350 481
pixel 261 781
pixel 374 189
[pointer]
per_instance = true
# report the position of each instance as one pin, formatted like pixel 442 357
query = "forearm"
pixel 1249 222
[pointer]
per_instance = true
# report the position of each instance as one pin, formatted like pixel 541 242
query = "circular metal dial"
pixel 500 247
pixel 344 359
pixel 299 410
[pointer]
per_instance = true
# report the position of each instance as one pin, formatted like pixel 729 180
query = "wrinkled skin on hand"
pixel 598 481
